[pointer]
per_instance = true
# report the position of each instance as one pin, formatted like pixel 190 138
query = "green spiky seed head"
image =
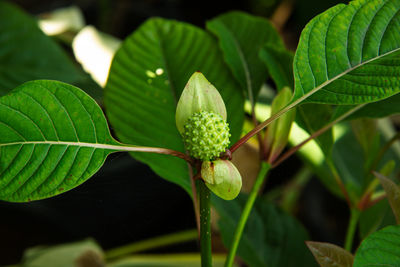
pixel 206 135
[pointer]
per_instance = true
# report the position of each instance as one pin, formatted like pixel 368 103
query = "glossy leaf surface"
pixel 53 137
pixel 350 54
pixel 146 79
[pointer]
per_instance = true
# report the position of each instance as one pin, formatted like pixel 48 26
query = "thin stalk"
pixel 351 229
pixel 262 174
pixel 276 116
pixel 158 150
pixel 338 180
pixel 205 225
pixel 152 243
pixel 317 133
pixel 261 126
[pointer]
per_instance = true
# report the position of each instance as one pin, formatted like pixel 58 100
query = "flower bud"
pixel 277 133
pixel 197 96
pixel 222 178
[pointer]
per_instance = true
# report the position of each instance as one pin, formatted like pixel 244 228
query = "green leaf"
pixel 82 253
pixel 392 193
pixel 279 62
pixel 348 158
pixel 53 137
pixel 376 217
pixel 329 255
pixel 241 37
pixel 380 109
pixel 276 135
pixel 312 117
pixel 381 248
pixel 269 237
pixel 27 54
pixel 147 76
pixel 350 54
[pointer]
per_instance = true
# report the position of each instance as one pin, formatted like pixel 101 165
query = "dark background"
pixel 125 201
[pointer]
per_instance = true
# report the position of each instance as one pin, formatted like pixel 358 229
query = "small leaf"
pixel 53 137
pixel 381 248
pixel 375 217
pixel 348 158
pixel 277 133
pixel 350 54
pixel 147 77
pixel 392 193
pixel 329 255
pixel 279 62
pixel 241 37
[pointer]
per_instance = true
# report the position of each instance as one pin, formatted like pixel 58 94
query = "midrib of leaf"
pixel 321 86
pixel 244 64
pixel 83 144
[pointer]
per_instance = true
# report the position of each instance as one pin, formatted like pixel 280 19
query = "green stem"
pixel 262 174
pixel 205 225
pixel 351 229
pixel 152 243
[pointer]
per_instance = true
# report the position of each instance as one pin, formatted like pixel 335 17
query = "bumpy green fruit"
pixel 206 135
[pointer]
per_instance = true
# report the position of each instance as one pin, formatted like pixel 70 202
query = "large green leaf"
pixel 53 137
pixel 241 37
pixel 381 248
pixel 27 54
pixel 350 54
pixel 269 237
pixel 146 79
